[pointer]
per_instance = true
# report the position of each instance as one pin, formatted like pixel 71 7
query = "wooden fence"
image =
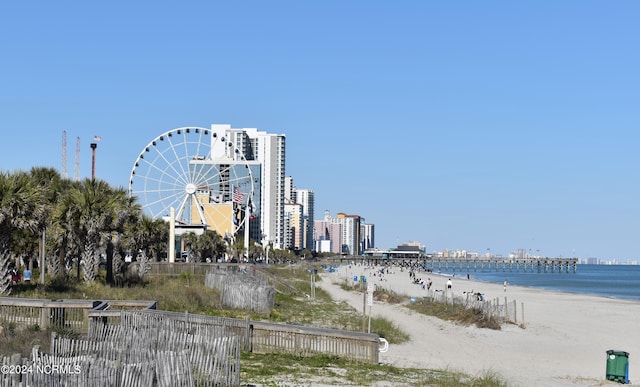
pixel 265 337
pixel 262 337
pixel 130 357
pixel 71 314
pixel 242 291
pixel 303 341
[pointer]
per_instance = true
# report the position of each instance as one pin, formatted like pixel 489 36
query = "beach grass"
pixel 456 313
pixel 285 369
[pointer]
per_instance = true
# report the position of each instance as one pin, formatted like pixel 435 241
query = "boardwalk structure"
pixel 428 262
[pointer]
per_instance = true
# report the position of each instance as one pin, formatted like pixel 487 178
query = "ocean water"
pixel 615 281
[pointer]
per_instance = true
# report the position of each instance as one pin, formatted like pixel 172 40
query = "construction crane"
pixel 76 169
pixel 64 154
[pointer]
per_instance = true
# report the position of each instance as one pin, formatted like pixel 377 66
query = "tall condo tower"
pixel 305 197
pixel 269 150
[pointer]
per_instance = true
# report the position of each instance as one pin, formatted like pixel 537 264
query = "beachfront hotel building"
pixel 343 231
pixel 302 233
pixel 293 226
pixel 368 233
pixel 327 235
pixel 306 198
pixel 347 234
pixel 268 150
pixel 350 233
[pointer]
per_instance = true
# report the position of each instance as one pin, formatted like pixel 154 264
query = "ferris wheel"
pixel 200 174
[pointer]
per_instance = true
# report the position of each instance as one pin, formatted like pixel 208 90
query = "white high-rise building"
pixel 305 197
pixel 269 150
pixel 350 233
pixel 289 190
pixel 367 235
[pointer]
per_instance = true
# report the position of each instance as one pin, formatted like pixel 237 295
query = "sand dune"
pixel 563 340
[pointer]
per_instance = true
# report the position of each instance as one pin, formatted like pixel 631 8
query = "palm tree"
pixel 127 217
pixel 210 245
pixel 90 213
pixel 190 241
pixel 53 185
pixel 150 238
pixel 21 210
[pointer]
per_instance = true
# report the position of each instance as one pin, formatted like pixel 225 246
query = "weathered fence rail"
pixel 72 314
pixel 265 337
pixel 302 341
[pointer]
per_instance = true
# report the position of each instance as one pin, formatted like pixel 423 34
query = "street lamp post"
pixel 94 146
pixel 93 160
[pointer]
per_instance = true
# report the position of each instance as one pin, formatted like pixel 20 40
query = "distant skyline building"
pixel 289 190
pixel 368 236
pixel 350 233
pixel 327 235
pixel 306 198
pixel 293 226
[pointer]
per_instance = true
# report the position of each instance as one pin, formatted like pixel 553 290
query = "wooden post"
pixel 42 258
pixel 44 318
pixel 506 307
pixel 172 235
pixel 364 309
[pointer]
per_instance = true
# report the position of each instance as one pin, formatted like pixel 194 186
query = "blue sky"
pixel 462 125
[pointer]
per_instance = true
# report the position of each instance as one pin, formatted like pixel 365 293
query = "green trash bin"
pixel 618 366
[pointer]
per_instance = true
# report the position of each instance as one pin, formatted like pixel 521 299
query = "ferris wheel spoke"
pixel 183 170
pixel 175 164
pixel 228 183
pixel 161 207
pixel 154 170
pixel 162 198
pixel 200 143
pixel 201 175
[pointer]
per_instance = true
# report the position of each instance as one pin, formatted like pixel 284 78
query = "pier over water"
pixel 415 261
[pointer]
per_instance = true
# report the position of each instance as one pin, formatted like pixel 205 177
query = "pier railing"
pixel 449 264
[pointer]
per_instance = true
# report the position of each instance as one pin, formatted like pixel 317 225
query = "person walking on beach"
pixel 449 284
pixel 505 285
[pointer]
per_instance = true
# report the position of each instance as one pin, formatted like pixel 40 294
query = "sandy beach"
pixel 562 341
